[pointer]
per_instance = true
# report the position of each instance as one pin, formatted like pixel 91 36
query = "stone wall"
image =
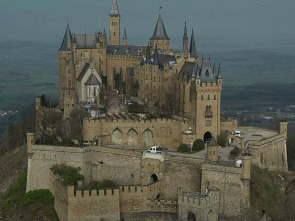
pixel 161 132
pixel 269 153
pixel 234 192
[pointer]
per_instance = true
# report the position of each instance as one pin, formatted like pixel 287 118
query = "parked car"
pixel 155 149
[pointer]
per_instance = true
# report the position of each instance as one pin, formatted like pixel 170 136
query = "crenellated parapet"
pixel 198 200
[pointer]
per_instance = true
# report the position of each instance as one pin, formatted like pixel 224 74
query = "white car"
pixel 155 149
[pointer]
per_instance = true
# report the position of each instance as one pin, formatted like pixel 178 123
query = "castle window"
pixel 154 78
pixel 202 97
pixel 208 98
pixel 214 97
pixel 114 33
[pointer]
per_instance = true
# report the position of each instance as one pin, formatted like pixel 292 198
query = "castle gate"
pixel 117 136
pixel 132 137
pixel 207 137
pixel 191 216
pixel 148 138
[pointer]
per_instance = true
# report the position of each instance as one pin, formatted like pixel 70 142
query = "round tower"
pixel 30 142
pixel 284 128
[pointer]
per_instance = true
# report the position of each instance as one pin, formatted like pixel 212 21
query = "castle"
pixel 169 186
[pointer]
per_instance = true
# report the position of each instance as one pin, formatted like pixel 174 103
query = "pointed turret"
pixel 160 31
pixel 185 32
pixel 115 9
pixel 67 40
pixel 160 37
pixel 185 42
pixel 193 49
pixel 219 73
pixel 125 37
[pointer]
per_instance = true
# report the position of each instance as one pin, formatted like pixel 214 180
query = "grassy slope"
pixel 15 203
pixel 273 193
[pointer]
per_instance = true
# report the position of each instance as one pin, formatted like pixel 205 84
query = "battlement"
pixel 92 193
pixel 121 56
pixel 120 120
pixel 198 200
pixel 141 189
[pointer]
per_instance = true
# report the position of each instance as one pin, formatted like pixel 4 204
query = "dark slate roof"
pixel 189 70
pixel 193 49
pixel 161 60
pixel 115 9
pixel 83 72
pixel 92 80
pixel 160 32
pixel 66 43
pixel 86 41
pixel 185 32
pixel 124 50
pixel 148 58
pixel 206 73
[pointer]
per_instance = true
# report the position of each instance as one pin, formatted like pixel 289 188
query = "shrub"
pixel 234 152
pixel 70 175
pixel 103 184
pixel 198 145
pixel 222 140
pixel 183 148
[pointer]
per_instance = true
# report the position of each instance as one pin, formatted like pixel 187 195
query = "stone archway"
pixel 148 138
pixel 212 216
pixel 207 137
pixel 191 216
pixel 117 136
pixel 132 137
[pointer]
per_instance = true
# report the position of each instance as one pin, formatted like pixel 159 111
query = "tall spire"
pixel 125 34
pixel 148 58
pixel 185 32
pixel 67 40
pixel 115 9
pixel 160 32
pixel 219 72
pixel 193 49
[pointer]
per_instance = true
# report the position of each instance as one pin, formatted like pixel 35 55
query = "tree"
pixel 183 148
pixel 107 99
pixel 222 140
pixel 136 86
pixel 198 145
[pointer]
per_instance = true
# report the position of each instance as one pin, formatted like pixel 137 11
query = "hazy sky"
pixel 251 21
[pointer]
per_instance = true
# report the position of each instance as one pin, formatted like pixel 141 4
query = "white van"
pixel 238 133
pixel 155 149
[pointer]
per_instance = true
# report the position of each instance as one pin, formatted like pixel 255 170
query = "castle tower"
pixel 185 42
pixel 125 37
pixel 114 24
pixel 193 49
pixel 212 153
pixel 160 37
pixel 284 128
pixel 206 103
pixel 64 57
pixel 30 142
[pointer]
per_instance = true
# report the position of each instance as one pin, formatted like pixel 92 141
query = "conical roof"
pixel 148 55
pixel 193 49
pixel 66 43
pixel 160 32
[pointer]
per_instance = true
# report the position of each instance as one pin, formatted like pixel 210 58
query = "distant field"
pixel 27 69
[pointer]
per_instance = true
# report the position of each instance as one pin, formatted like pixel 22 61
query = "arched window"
pixel 94 92
pixel 207 73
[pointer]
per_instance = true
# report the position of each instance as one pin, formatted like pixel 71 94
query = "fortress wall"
pixel 181 172
pixel 93 205
pixel 44 157
pixel 121 166
pixel 228 126
pixel 228 181
pixel 270 153
pixel 166 132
